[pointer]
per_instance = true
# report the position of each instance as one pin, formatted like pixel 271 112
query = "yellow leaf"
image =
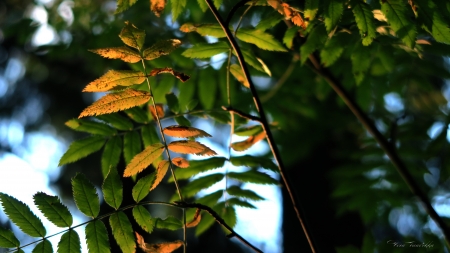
pixel 124 53
pixel 159 109
pixel 143 159
pixel 116 102
pixel 184 132
pixel 196 220
pixel 115 78
pixel 161 171
pixel 180 162
pixel 164 247
pixel 132 36
pixel 157 6
pixel 160 48
pixel 181 76
pixel 191 147
pixel 244 145
pixel 236 71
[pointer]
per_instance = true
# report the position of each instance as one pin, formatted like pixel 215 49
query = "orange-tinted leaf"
pixel 298 21
pixel 184 132
pixel 236 71
pixel 164 247
pixel 196 220
pixel 143 159
pixel 180 162
pixel 191 147
pixel 132 36
pixel 157 6
pixel 181 76
pixel 116 102
pixel 161 48
pixel 288 12
pixel 161 171
pixel 124 53
pixel 244 145
pixel 115 78
pixel 159 109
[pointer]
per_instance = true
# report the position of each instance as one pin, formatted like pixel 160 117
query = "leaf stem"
pixel 265 125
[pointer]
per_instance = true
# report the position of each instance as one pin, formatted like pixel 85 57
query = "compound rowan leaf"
pixel 115 102
pixel 131 145
pixel 122 232
pixel 114 78
pixel 201 183
pixel 85 196
pixel 143 159
pixel 44 246
pixel 236 71
pixel 97 237
pixel 161 48
pixel 184 132
pixel 111 154
pixel 241 193
pixel 250 141
pixel 170 223
pixel 252 176
pixel 161 171
pixel 254 161
pixel 164 247
pixel 180 162
pixel 206 50
pixel 132 36
pixel 333 13
pixel 82 148
pixel 117 121
pixel 53 209
pixel 364 21
pixel 91 127
pixel 112 189
pixel 196 220
pixel 144 219
pixel 159 110
pixel 142 187
pixel 397 15
pixel 191 147
pixel 157 6
pixel 69 242
pixel 198 166
pixel 8 239
pixel 123 53
pixel 179 75
pixel 123 5
pixel 260 39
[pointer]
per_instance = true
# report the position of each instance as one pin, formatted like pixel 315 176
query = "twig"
pixel 242 114
pixel 388 148
pixel 265 125
pixel 233 10
pixel 219 220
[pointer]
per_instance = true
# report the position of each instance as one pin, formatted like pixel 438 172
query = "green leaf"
pixel 247 194
pixel 132 36
pixel 123 232
pixel 131 145
pixel 316 39
pixel 53 209
pixel 311 8
pixel 201 183
pixel 227 212
pixel 177 7
pixel 206 222
pixel 203 5
pixel 206 50
pixel 144 219
pixel 182 121
pixel 440 28
pixel 207 88
pixel 398 15
pixel 115 79
pixel 170 223
pixel 241 203
pixel 198 166
pixel 149 135
pixel 161 48
pixel 192 104
pixel 260 39
pixel 82 148
pixel 360 62
pixel 210 199
pixel 21 215
pixel 123 5
pixel 364 21
pixel 333 13
pixel 143 159
pixel 289 36
pixel 138 114
pixel 333 49
pixel 85 196
pixel 252 176
pixel 142 187
pixel 113 189
pixel 111 154
pixel 252 60
pixel 237 72
pixel 8 239
pixel 91 127
pixel 172 102
pixel 253 162
pixel 223 118
pixel 69 242
pixel 248 131
pixel 97 237
pixel 434 20
pixel 117 121
pixel 43 247
pixel 269 22
pixel 213 30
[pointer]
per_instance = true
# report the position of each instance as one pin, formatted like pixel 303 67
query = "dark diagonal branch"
pixel 265 125
pixel 388 148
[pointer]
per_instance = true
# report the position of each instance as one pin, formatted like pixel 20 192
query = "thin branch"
pixel 282 79
pixel 388 148
pixel 233 10
pixel 242 114
pixel 265 125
